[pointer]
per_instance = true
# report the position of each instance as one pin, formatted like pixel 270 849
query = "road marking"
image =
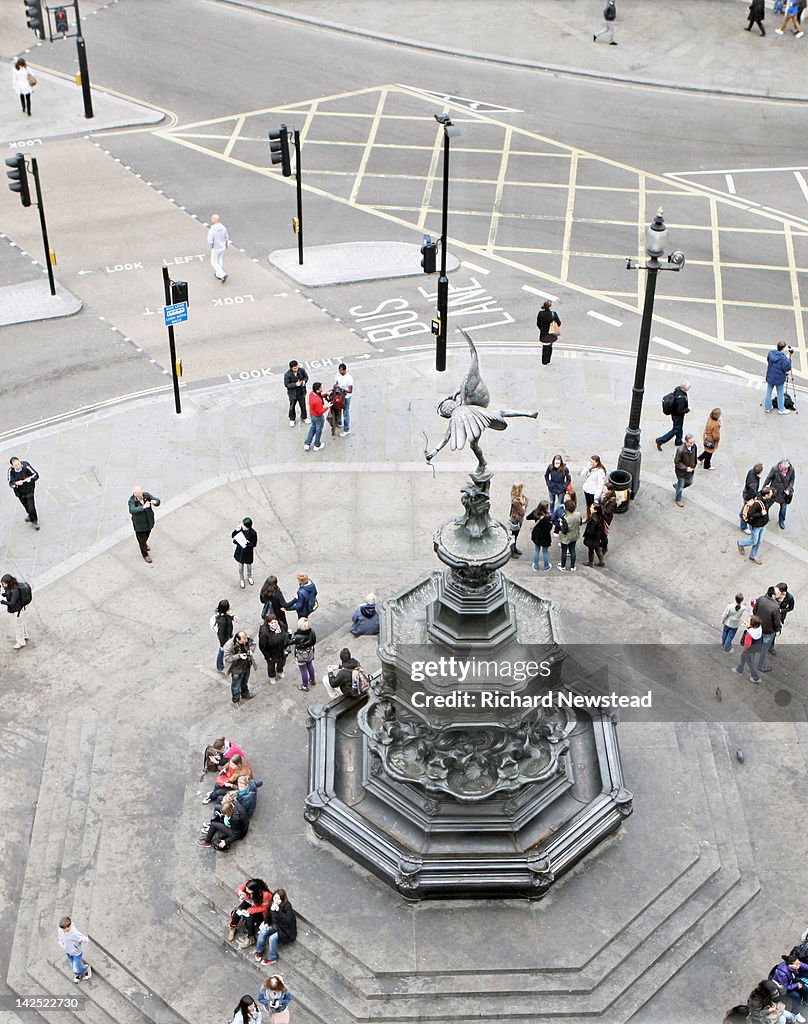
pixel 730 184
pixel 430 180
pixel 473 266
pixel 606 319
pixel 671 344
pixel 568 217
pixel 733 170
pixel 542 295
pixel 795 291
pixel 802 183
pixel 717 279
pixel 369 142
pixel 497 205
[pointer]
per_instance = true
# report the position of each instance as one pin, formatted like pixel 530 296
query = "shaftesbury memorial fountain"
pixel 471 768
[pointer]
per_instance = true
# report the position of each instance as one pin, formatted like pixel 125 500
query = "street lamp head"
pixel 443 119
pixel 451 130
pixel 655 236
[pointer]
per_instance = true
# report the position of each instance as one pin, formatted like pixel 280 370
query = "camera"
pixel 790 350
pixel 677 259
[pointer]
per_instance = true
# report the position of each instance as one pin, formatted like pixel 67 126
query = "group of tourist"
pixel 234 795
pixel 780 997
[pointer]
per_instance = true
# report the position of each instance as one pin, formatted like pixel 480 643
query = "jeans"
pixel 568 549
pixel 295 402
pixel 267 939
pixel 748 658
pixel 307 676
pixel 216 257
pixel 753 541
pixel 781 395
pixel 608 26
pixel 546 553
pixel 781 519
pixel 220 660
pixel 346 414
pixel 559 498
pixel 315 430
pixel 239 684
pixel 678 424
pixel 78 965
pixel 763 661
pixel 245 570
pixel 27 502
pixel 681 483
pixel 728 636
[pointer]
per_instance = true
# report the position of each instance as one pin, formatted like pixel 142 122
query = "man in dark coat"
pixel 767 610
pixel 22 478
pixel 141 509
pixel 294 380
pixel 684 465
pixel 677 415
pixel 341 678
pixel 365 620
pixel 781 480
pixel 757 12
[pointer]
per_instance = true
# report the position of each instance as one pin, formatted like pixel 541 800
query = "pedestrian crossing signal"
pixel 33 12
pixel 429 251
pixel 60 20
pixel 18 178
pixel 279 150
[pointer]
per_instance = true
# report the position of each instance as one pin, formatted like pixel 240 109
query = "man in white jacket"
pixel 218 240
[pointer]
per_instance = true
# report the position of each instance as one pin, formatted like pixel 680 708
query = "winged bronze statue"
pixel 468 414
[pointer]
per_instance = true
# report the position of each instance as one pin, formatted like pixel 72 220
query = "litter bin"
pixel 620 479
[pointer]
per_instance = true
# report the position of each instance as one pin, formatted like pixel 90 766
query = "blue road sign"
pixel 175 314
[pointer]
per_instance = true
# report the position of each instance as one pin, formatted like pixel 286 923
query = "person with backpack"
pixel 609 18
pixel 731 621
pixel 569 533
pixel 595 539
pixel 306 600
pixel 756 14
pixel 273 642
pixel 778 367
pixel 22 478
pixel 755 514
pixel 676 406
pixel 751 644
pixel 304 641
pixel 341 677
pixel 221 623
pixel 16 598
pixel 273 602
pixel 751 487
pixel 245 541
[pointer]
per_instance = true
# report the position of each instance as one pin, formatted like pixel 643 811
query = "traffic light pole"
pixel 443 280
pixel 84 71
pixel 43 225
pixel 171 346
pixel 299 180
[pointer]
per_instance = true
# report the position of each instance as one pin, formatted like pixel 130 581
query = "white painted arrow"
pixel 84 272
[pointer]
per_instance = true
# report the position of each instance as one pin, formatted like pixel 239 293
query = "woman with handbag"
pixel 517 515
pixel 304 640
pixel 24 83
pixel 272 601
pixel 711 438
pixel 549 325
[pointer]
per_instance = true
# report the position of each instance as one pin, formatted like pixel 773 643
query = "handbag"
pixel 31 80
pixel 281 1017
pixel 708 444
pixel 554 329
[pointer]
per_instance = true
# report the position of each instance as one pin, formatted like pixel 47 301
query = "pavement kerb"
pixel 492 58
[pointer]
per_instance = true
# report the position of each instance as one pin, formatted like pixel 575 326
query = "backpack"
pixel 360 682
pixel 788 401
pixel 25 593
pixel 563 525
pixel 609 12
pixel 779 6
pixel 800 952
pixel 337 399
pixel 668 403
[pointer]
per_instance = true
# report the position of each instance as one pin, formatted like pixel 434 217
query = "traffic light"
pixel 179 291
pixel 279 150
pixel 18 178
pixel 60 20
pixel 33 12
pixel 429 250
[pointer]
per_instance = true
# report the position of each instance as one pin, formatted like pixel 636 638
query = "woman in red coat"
pixel 254 901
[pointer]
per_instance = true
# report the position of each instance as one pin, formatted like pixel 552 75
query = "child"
pixel 750 647
pixel 731 621
pixel 71 939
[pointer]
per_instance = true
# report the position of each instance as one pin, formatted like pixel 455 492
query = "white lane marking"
pixel 730 184
pixel 535 291
pixel 606 319
pixel 473 266
pixel 671 344
pixel 734 170
pixel 802 183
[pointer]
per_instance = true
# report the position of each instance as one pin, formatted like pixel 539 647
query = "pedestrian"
pixel 141 509
pixel 16 597
pixel 791 16
pixel 541 535
pixel 751 643
pixel 751 488
pixel 595 539
pixel 609 18
pixel 247 1011
pixel 304 641
pixel 684 464
pixel 549 325
pixel 569 533
pixel 280 925
pixel 222 622
pixel 335 400
pixel 710 439
pixel 786 601
pixel 341 677
pixel 767 611
pixel 516 516
pixel 71 940
pixel 273 643
pixel 254 898
pixel 757 12
pixel 305 601
pixel 272 601
pixel 778 367
pixel 557 478
pixel 317 407
pixel 24 83
pixel 791 974
pixel 218 240
pixel 594 474
pixel 781 480
pixel 238 662
pixel 247 793
pixel 295 380
pixel 344 381
pixel 22 478
pixel 755 514
pixel 275 996
pixel 245 541
pixel 676 406
pixel 558 512
pixel 608 503
pixel 365 620
pixel 731 621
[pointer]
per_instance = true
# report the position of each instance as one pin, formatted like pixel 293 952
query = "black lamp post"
pixel 450 131
pixel 630 459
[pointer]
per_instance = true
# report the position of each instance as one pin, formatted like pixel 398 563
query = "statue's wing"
pixel 468 423
pixel 472 390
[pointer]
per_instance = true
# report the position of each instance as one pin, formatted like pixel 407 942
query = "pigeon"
pixel 718 694
pixel 740 756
